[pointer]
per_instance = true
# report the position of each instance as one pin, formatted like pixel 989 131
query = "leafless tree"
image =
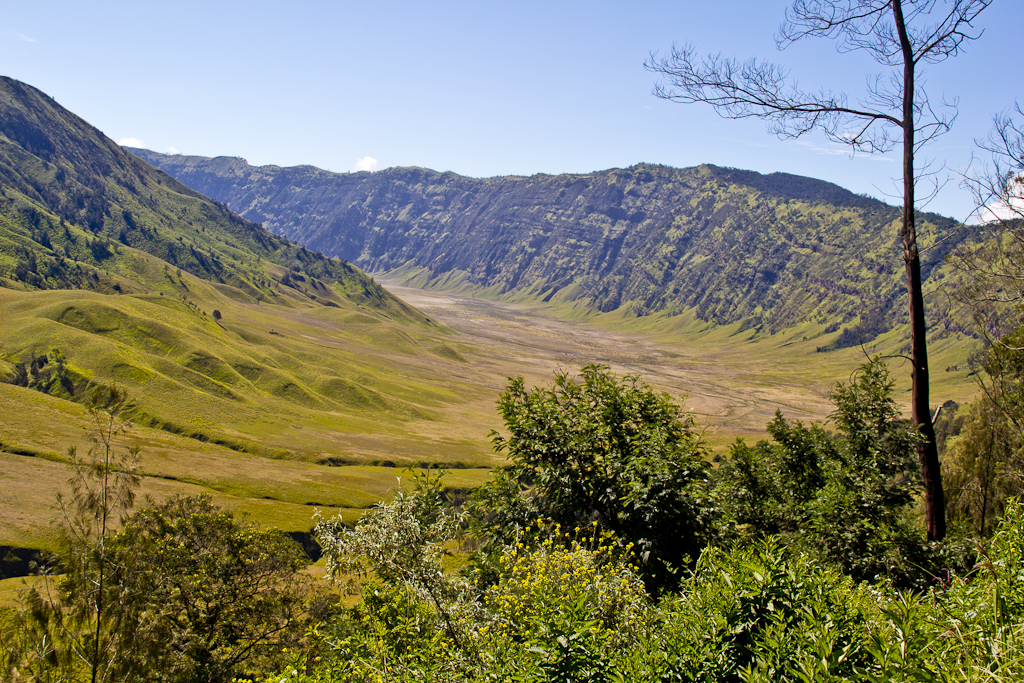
pixel 901 35
pixel 995 263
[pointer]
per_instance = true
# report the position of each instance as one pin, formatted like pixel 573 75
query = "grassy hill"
pixel 771 250
pixel 255 366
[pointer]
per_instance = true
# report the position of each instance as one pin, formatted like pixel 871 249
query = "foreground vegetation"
pixel 609 549
pixel 810 562
pixel 747 612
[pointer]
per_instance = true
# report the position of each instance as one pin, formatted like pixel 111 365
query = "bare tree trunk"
pixel 927 450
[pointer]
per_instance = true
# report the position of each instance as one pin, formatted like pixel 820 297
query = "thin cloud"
pixel 366 164
pixel 19 36
pixel 173 150
pixel 836 149
pixel 131 142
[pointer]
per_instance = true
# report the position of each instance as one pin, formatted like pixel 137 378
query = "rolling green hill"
pixel 254 366
pixel 731 245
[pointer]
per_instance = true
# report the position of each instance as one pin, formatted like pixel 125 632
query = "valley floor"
pixel 733 382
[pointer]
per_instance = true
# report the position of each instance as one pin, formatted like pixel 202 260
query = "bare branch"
pixel 995 261
pixel 760 89
pixel 868 25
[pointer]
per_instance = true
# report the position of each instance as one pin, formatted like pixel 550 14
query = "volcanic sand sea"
pixel 733 388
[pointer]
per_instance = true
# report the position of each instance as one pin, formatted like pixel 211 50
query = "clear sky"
pixel 477 87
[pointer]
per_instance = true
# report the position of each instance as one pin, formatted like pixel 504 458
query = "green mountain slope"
pixel 235 345
pixel 119 268
pixel 72 199
pixel 732 245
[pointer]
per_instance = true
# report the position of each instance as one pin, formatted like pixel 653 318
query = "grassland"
pixel 732 378
pixel 275 411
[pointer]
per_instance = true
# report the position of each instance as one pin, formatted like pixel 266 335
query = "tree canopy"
pixel 598 448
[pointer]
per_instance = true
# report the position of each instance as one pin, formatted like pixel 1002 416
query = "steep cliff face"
pixel 776 249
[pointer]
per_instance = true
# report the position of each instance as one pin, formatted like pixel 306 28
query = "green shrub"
pixel 755 608
pixel 610 450
pixel 844 497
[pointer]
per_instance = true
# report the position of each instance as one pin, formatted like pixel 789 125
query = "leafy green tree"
pixel 1003 366
pixel 598 448
pixel 402 542
pixel 767 487
pixel 48 373
pixel 841 496
pixel 102 492
pixel 983 468
pixel 180 591
pixel 986 462
pixel 414 615
pixel 210 596
pixel 70 628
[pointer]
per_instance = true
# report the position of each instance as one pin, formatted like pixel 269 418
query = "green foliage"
pixel 183 592
pixel 755 612
pixel 568 605
pixel 759 612
pixel 402 542
pixel 981 468
pixel 556 611
pixel 51 373
pixel 212 596
pixel 1003 364
pixel 843 497
pixel 985 463
pixel 72 627
pixel 179 591
pixel 612 451
pixel 768 487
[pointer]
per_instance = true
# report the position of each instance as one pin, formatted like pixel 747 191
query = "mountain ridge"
pixel 729 244
pixel 59 173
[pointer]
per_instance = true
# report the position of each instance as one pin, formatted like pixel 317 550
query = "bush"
pixel 211 596
pixel 569 605
pixel 983 466
pixel 748 609
pixel 844 497
pixel 612 451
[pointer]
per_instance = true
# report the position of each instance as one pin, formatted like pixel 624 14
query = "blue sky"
pixel 476 87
